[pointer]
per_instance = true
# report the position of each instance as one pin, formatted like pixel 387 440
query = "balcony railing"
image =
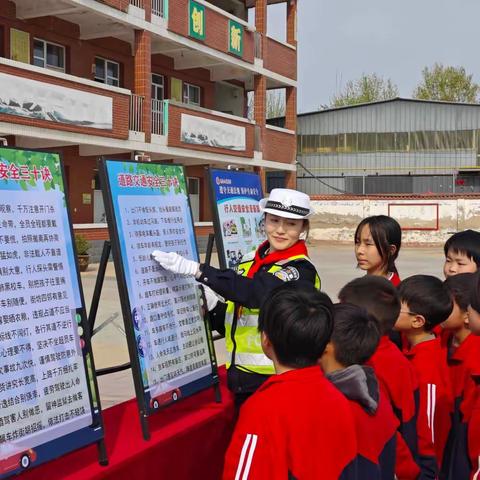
pixel 158 121
pixel 137 3
pixel 160 8
pixel 135 123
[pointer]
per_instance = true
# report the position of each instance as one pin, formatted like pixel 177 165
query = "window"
pixel 157 87
pixel 48 55
pixel 107 71
pixel 191 94
pixel 367 142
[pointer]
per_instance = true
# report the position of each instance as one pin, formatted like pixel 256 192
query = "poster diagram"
pixel 238 221
pixel 48 393
pixel 170 348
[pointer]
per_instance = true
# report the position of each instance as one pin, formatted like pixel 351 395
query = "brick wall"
pixel 200 172
pixel 216 29
pixel 118 4
pixel 279 146
pixel 120 107
pixel 280 59
pixel 174 132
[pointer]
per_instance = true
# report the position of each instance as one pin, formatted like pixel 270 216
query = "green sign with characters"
pixel 196 20
pixel 235 38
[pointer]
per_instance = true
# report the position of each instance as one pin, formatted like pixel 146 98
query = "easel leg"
pixel 102 453
pixel 92 315
pixel 218 393
pixel 144 424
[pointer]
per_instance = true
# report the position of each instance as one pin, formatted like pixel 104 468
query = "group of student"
pixel 384 384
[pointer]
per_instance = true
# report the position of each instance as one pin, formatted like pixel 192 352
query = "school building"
pixel 397 146
pixel 166 79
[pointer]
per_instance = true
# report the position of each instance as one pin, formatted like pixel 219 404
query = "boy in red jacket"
pixel 473 422
pixel 463 357
pixel 380 298
pixel 426 303
pixel 355 338
pixel 297 425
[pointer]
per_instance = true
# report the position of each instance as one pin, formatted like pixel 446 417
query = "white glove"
pixel 211 297
pixel 175 263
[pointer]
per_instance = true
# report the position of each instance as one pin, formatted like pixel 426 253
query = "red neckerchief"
pixel 298 249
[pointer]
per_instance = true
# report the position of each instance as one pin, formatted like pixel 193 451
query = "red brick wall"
pixel 279 146
pixel 80 55
pixel 280 59
pixel 216 29
pixel 120 107
pixel 174 132
pixel 199 171
pixel 118 4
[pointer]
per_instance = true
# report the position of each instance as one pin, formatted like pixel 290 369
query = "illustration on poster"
pixel 230 228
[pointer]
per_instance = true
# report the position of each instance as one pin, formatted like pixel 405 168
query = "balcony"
pixel 36 97
pixel 279 145
pixel 280 58
pixel 215 28
pixel 197 128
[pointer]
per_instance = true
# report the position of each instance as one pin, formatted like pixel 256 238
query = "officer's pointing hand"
pixel 175 263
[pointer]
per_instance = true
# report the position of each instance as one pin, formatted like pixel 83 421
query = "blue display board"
pixel 238 221
pixel 48 392
pixel 171 350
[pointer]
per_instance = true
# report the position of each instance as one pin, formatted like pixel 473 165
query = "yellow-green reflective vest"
pixel 243 323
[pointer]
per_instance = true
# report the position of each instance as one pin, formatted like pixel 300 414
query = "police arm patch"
pixel 288 274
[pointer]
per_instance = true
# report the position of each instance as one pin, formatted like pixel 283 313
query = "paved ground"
pixel 336 264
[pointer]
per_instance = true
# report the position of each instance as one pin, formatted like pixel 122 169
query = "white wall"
pixel 337 219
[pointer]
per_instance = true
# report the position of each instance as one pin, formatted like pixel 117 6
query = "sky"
pixel 338 40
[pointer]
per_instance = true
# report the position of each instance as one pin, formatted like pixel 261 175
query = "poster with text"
pixel 238 221
pixel 171 351
pixel 48 393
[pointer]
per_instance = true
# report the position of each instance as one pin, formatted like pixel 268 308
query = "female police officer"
pixel 282 257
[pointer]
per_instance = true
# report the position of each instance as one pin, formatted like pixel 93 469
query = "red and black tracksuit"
pixel 415 453
pixel 376 424
pixel 473 436
pixel 297 425
pixel 435 393
pixel 464 367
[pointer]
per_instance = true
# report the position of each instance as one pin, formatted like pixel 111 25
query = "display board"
pixel 238 221
pixel 171 348
pixel 48 392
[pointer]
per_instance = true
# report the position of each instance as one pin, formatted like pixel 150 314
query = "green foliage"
pixel 368 88
pixel 450 84
pixel 158 169
pixel 82 244
pixel 37 159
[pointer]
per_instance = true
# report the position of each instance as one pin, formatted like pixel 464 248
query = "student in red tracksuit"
pixel 355 338
pixel 380 298
pixel 425 303
pixel 377 244
pixel 297 425
pixel 462 253
pixel 473 421
pixel 463 357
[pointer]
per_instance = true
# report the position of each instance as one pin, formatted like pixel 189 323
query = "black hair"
pixel 356 334
pixel 460 287
pixel 427 295
pixel 465 243
pixel 377 296
pixel 385 232
pixel 475 293
pixel 298 321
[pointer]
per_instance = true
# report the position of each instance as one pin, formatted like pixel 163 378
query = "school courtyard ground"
pixel 334 262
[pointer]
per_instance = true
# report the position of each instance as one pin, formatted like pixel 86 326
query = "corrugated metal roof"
pixel 396 99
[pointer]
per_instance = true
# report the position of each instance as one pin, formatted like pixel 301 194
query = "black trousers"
pixel 242 384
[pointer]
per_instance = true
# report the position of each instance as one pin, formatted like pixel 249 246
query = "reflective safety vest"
pixel 242 338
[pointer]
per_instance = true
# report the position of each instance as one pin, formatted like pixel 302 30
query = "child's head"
pixel 459 287
pixel 425 303
pixel 354 339
pixel 377 296
pixel 462 253
pixel 296 322
pixel 377 242
pixel 474 307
